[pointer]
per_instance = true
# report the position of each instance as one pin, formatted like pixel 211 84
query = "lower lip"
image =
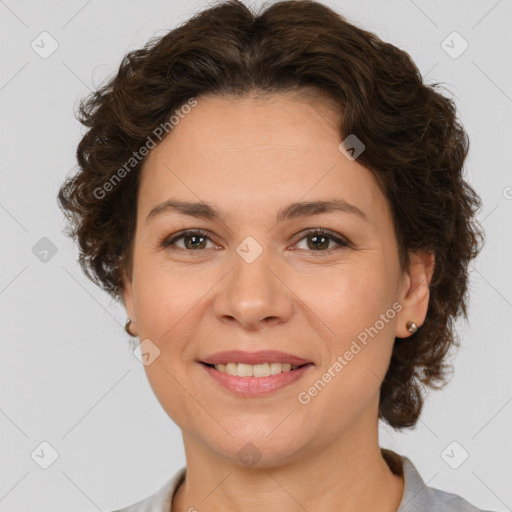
pixel 256 386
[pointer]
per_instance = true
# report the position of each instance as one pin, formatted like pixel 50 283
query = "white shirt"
pixel 417 497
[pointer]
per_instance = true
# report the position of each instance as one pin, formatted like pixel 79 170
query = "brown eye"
pixel 319 240
pixel 192 241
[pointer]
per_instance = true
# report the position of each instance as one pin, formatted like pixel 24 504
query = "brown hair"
pixel 415 148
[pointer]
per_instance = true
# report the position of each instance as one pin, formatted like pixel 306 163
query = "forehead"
pixel 246 152
pixel 232 127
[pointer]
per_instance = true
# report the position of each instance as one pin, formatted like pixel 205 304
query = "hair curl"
pixel 415 149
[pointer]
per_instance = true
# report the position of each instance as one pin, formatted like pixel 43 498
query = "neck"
pixel 347 475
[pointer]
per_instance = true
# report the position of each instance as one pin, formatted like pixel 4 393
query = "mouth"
pixel 255 374
pixel 266 369
pixel 262 357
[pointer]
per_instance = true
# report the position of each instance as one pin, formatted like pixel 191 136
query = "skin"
pixel 250 157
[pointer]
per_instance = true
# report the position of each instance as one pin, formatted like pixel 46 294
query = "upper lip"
pixel 262 356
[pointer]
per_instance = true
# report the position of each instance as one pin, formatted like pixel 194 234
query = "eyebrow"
pixel 202 210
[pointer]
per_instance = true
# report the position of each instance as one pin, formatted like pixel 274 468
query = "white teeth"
pixel 275 368
pixel 260 370
pixel 244 370
pixel 256 370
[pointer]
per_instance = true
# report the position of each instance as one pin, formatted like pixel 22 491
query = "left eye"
pixel 196 240
pixel 321 239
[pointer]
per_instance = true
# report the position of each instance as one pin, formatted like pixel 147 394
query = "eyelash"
pixel 169 241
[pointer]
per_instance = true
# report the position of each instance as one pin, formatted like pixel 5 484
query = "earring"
pixel 127 327
pixel 411 327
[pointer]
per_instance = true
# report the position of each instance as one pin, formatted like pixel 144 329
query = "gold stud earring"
pixel 411 326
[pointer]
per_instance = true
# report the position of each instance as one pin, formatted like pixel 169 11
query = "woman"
pixel 278 201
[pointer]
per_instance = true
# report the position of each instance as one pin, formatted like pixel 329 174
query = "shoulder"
pixel 161 500
pixel 418 497
pixel 442 501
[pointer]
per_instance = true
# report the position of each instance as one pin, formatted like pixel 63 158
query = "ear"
pixel 415 292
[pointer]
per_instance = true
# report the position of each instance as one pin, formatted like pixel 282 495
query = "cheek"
pixel 167 309
pixel 164 296
pixel 357 306
pixel 353 298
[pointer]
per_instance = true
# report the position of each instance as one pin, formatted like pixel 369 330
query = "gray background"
pixel 68 375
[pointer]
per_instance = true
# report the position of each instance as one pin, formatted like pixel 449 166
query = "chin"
pixel 258 448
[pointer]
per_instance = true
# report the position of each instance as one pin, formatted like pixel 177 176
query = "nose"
pixel 254 294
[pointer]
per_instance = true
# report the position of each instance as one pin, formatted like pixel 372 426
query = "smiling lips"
pixel 255 373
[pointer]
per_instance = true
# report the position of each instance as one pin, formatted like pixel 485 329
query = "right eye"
pixel 194 240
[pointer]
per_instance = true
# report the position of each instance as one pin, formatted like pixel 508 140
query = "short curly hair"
pixel 414 146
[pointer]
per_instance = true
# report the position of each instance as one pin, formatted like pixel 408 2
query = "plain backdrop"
pixel 69 379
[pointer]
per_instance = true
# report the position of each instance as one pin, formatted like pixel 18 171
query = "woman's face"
pixel 259 279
